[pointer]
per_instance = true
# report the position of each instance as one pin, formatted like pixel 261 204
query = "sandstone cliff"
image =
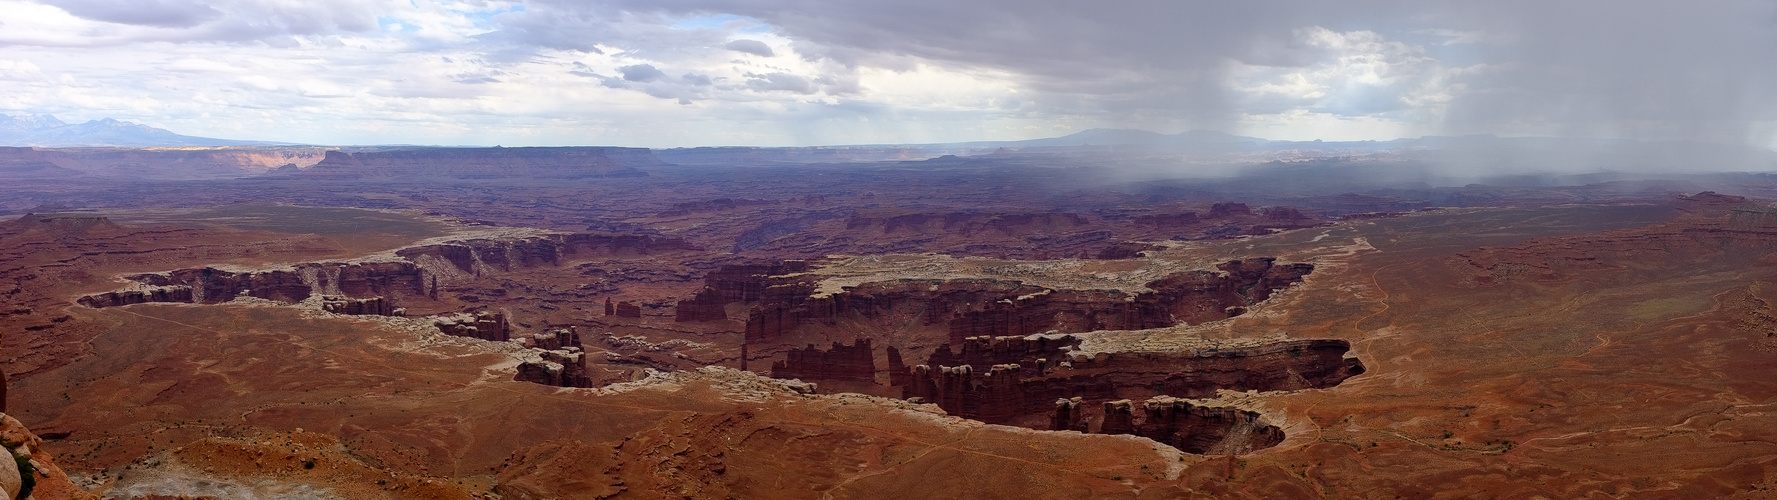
pixel 976 307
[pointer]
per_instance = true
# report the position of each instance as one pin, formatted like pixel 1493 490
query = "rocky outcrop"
pixel 391 281
pixel 855 363
pixel 1203 429
pixel 564 367
pixel 1041 382
pixel 476 257
pixel 29 471
pixel 1229 209
pixel 127 297
pixel 433 164
pixel 997 386
pixel 210 285
pixel 484 325
pixel 560 361
pixel 626 309
pixel 555 339
pixel 978 307
pixel 373 306
pixel 730 284
pixel 1119 417
pixel 1068 415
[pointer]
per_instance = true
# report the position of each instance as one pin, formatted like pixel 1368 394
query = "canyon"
pixel 593 322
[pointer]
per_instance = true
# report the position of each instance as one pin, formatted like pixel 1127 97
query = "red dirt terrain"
pixel 648 336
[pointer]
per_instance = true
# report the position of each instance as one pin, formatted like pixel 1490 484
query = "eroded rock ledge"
pixel 964 308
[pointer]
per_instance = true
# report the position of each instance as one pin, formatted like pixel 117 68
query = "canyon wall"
pixel 1040 382
pixel 1006 382
pixel 854 363
pixel 209 285
pixel 976 307
pixel 480 256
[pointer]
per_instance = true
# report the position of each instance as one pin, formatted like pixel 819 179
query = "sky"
pixel 667 73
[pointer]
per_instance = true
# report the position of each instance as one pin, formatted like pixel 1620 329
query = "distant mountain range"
pixel 1472 153
pixel 47 131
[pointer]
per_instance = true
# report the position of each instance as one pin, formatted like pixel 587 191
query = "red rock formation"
pixel 374 306
pixel 565 367
pixel 1008 392
pixel 127 297
pixel 556 339
pixel 214 286
pixel 730 284
pixel 1204 429
pixel 975 307
pixel 1229 209
pixel 855 363
pixel 983 352
pixel 626 309
pixel 484 325
pixel 47 481
pixel 482 164
pixel 1710 204
pixel 1068 416
pixel 481 255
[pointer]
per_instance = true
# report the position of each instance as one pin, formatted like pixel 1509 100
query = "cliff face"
pixel 382 280
pixel 378 287
pixel 969 308
pixel 564 163
pixel 855 363
pixel 1204 429
pixel 480 256
pixel 484 325
pixel 127 297
pixel 374 306
pixel 1003 380
pixel 1037 382
pixel 730 284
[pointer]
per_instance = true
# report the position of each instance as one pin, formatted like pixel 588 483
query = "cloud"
pixel 800 72
pixel 641 73
pixel 157 13
pixel 785 82
pixel 753 47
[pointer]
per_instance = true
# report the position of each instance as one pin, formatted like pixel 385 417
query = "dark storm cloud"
pixel 1700 70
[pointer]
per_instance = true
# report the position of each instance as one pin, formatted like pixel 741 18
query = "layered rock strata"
pixel 1040 382
pixel 476 257
pixel 484 325
pixel 1195 428
pixel 976 307
pixel 854 363
pixel 560 360
pixel 373 306
pixel 211 285
pixel 1006 390
pixel 730 284
pixel 565 367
